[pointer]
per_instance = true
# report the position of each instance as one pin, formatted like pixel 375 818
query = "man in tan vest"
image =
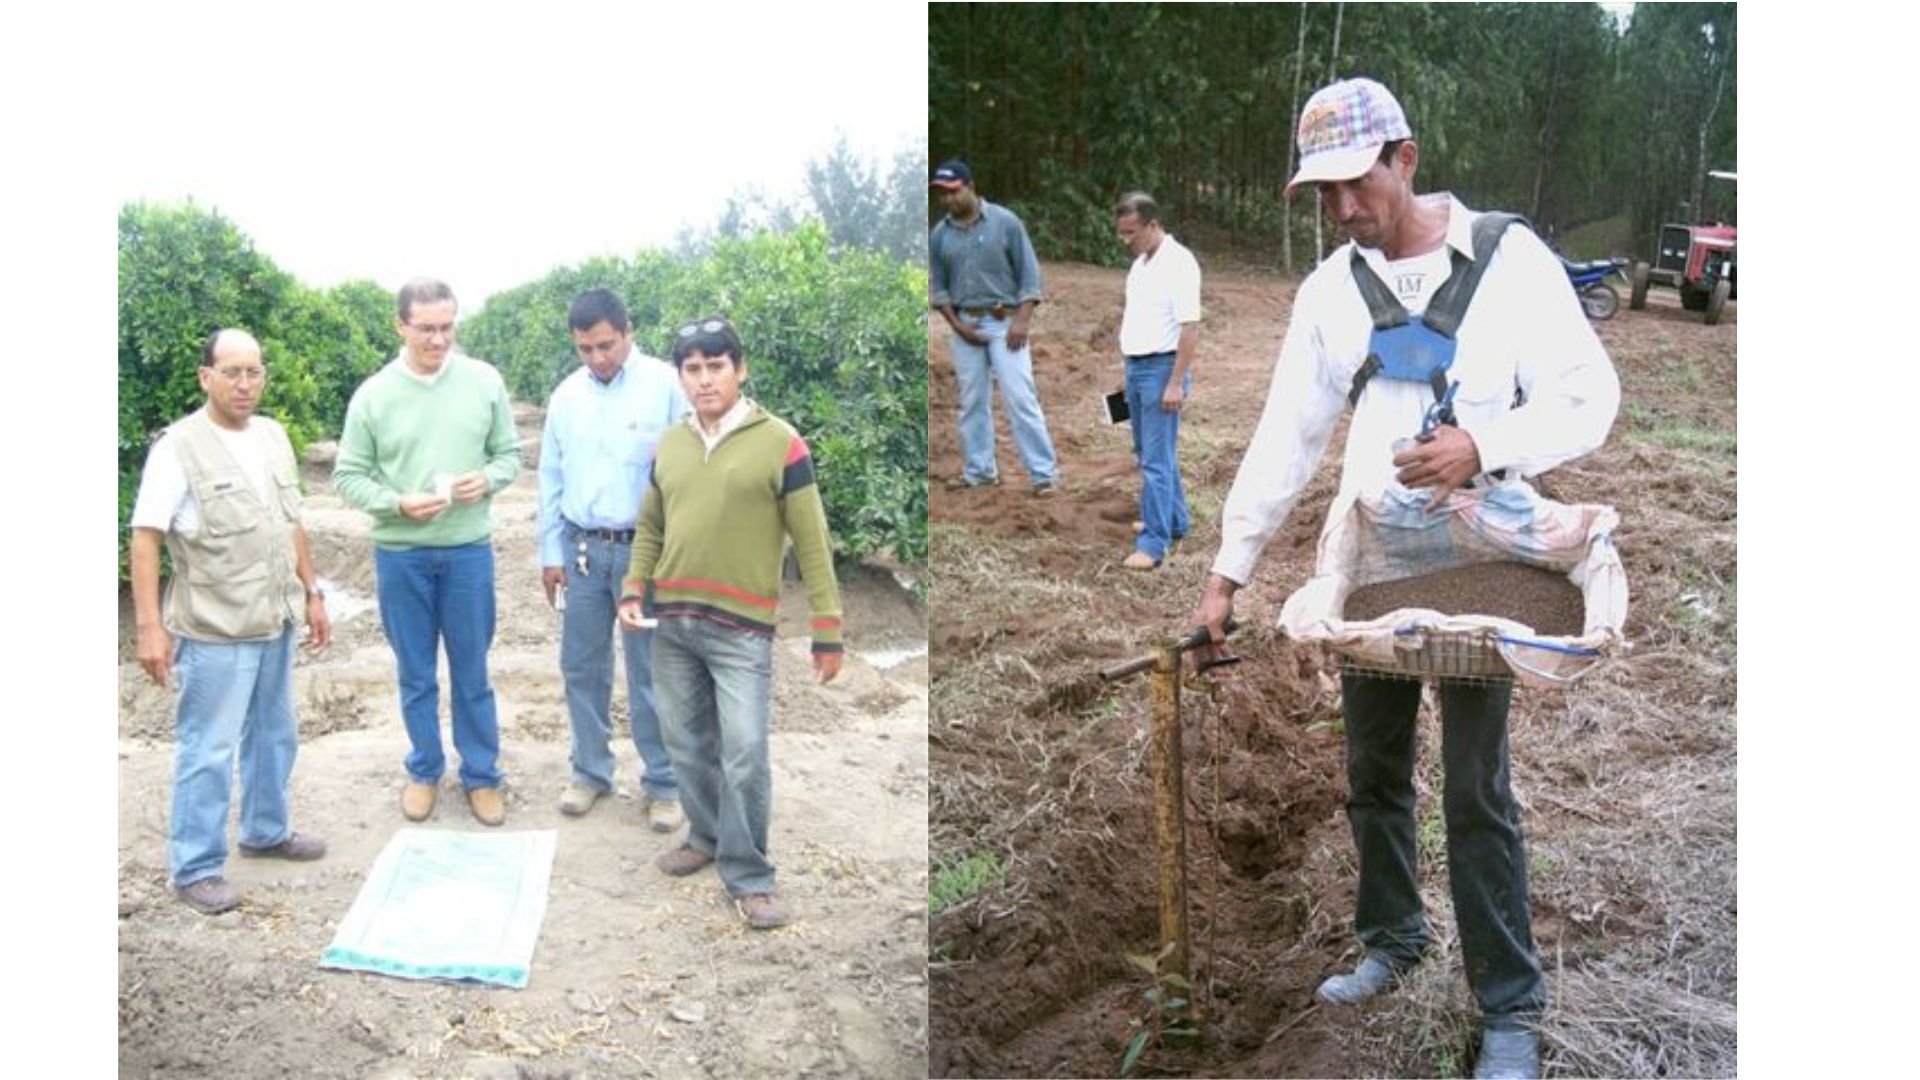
pixel 221 491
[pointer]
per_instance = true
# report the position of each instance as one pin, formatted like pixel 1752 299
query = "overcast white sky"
pixel 390 143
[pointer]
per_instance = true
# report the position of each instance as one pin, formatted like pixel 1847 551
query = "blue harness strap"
pixel 1420 348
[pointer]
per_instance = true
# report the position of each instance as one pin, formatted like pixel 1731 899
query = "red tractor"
pixel 1696 259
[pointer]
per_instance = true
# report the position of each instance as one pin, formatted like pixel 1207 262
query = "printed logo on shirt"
pixel 1409 285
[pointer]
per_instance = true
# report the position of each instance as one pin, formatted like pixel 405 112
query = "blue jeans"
pixel 430 595
pixel 1486 855
pixel 232 695
pixel 1156 443
pixel 976 368
pixel 586 662
pixel 715 688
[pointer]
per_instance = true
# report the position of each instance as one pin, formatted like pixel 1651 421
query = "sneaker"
pixel 1508 1054
pixel 416 800
pixel 1139 527
pixel 298 846
pixel 961 483
pixel 762 910
pixel 683 860
pixel 1373 977
pixel 1046 489
pixel 663 815
pixel 487 804
pixel 209 895
pixel 578 799
pixel 1140 560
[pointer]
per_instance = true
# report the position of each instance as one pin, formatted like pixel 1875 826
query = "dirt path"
pixel 1626 783
pixel 623 950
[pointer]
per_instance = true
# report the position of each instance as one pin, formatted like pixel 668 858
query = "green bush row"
pixel 835 339
pixel 186 272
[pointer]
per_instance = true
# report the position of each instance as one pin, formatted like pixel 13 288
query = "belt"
pixel 997 311
pixel 618 536
pixel 1152 355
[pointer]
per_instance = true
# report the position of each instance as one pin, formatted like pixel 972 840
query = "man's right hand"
pixel 631 612
pixel 551 578
pixel 422 507
pixel 155 651
pixel 1216 607
pixel 968 334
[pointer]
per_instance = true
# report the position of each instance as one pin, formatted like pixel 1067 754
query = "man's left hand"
pixel 470 487
pixel 319 627
pixel 1017 333
pixel 1442 463
pixel 825 666
pixel 1175 395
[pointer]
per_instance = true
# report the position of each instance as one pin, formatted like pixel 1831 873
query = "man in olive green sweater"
pixel 428 440
pixel 729 486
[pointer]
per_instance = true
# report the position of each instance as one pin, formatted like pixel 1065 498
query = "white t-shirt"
pixel 1162 293
pixel 166 502
pixel 1414 280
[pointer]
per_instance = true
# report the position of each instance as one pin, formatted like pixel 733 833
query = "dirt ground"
pixel 635 974
pixel 1626 782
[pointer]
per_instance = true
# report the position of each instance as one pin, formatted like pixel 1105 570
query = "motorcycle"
pixel 1589 280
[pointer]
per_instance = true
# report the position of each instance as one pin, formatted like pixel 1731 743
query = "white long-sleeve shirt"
pixel 1524 329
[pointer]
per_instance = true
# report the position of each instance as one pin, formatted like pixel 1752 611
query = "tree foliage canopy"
pixel 1547 109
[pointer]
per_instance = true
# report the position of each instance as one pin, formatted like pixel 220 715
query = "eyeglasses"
pixel 236 376
pixel 444 330
pixel 708 326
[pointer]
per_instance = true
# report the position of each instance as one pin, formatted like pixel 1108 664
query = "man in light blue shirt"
pixel 596 459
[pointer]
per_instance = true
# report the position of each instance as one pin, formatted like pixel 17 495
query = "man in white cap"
pixel 1529 387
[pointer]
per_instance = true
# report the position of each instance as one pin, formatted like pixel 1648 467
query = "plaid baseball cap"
pixel 1343 128
pixel 951 175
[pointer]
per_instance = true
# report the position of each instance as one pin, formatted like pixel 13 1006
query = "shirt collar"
pixel 733 419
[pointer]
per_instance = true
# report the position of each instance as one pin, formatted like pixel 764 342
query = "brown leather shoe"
pixel 487 804
pixel 683 860
pixel 209 895
pixel 762 910
pixel 416 800
pixel 298 846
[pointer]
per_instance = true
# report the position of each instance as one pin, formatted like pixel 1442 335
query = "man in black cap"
pixel 985 281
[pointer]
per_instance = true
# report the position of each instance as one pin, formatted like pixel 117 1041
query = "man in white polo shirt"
pixel 1159 335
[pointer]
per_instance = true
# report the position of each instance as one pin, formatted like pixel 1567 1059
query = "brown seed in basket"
pixel 1542 599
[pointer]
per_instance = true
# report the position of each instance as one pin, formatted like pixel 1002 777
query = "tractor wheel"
pixel 1692 297
pixel 1600 300
pixel 1717 300
pixel 1638 298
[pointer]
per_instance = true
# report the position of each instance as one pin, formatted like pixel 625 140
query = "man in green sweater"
pixel 729 485
pixel 428 440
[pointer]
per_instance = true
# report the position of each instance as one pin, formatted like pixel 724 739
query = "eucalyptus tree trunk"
pixel 1299 72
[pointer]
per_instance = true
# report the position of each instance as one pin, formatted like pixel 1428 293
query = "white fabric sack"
pixel 446 904
pixel 1389 536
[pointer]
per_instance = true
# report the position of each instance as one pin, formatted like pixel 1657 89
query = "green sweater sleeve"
pixel 355 474
pixel 805 519
pixel 503 442
pixel 648 534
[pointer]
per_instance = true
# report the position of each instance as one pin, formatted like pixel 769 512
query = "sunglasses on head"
pixel 704 326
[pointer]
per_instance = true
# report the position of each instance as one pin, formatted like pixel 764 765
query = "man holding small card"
pixel 428 440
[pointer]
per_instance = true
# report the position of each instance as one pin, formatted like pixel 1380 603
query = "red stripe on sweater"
pixel 796 450
pixel 826 624
pixel 716 587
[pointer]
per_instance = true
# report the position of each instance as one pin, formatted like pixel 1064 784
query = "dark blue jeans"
pixel 1156 442
pixel 431 595
pixel 1486 856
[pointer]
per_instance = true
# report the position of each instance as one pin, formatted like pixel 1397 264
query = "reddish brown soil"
pixel 1032 977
